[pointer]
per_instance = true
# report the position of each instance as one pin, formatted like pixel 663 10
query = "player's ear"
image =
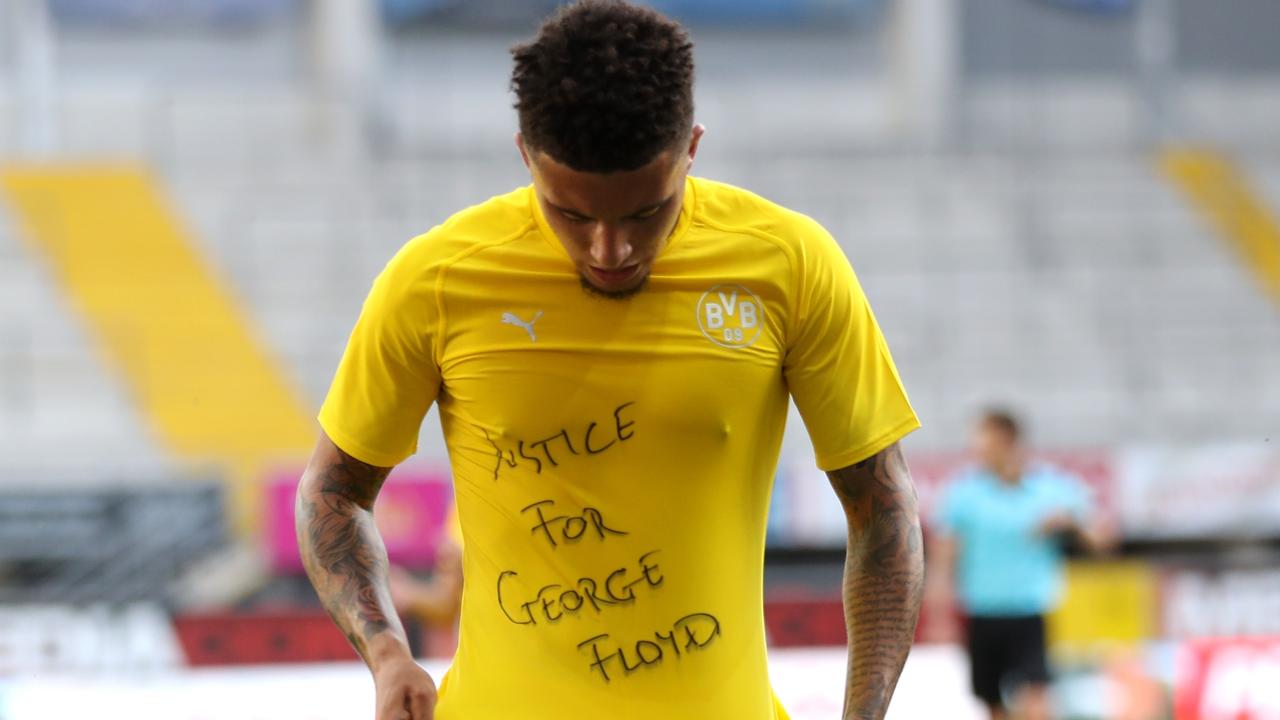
pixel 694 138
pixel 524 151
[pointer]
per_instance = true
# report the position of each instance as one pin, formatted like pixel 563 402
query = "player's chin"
pixel 614 290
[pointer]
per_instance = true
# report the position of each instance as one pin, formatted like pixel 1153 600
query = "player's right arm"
pixel 346 561
pixel 387 379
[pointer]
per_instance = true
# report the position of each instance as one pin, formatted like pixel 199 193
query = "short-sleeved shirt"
pixel 1005 566
pixel 613 459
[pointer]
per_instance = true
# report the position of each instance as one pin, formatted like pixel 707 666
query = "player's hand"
pixel 1057 523
pixel 405 691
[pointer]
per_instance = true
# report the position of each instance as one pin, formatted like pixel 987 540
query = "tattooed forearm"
pixel 341 548
pixel 883 577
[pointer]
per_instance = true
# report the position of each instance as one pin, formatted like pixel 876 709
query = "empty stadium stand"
pixel 1074 280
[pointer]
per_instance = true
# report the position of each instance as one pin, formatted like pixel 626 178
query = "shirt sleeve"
pixel 388 376
pixel 837 366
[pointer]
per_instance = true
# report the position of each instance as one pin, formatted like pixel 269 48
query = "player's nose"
pixel 610 248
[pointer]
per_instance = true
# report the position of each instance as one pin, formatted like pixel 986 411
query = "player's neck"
pixel 1009 470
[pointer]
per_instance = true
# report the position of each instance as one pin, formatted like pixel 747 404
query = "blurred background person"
pixel 1000 531
pixel 432 603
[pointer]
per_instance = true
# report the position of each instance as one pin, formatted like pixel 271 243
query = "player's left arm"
pixel 844 383
pixel 883 577
pixel 1097 535
pixel 1081 521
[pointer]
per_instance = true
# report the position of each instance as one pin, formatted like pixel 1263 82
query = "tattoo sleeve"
pixel 341 548
pixel 883 577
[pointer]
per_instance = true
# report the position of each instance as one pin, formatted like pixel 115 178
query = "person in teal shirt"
pixel 999 536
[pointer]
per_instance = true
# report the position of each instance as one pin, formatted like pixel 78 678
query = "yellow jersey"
pixel 613 459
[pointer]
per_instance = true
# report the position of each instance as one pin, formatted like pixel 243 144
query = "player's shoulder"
pixel 497 220
pixel 729 208
pixel 1055 478
pixel 966 480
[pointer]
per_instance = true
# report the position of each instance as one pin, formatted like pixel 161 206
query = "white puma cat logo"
pixel 511 319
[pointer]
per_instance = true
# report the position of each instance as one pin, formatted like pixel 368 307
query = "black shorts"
pixel 1005 653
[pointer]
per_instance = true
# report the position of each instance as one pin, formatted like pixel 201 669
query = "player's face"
pixel 991 445
pixel 613 225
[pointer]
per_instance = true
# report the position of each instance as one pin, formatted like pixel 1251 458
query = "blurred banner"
pixel 1220 602
pixel 1106 603
pixel 1225 491
pixel 55 638
pixel 731 11
pixel 411 513
pixel 804 512
pixel 141 11
pixel 1094 6
pixel 1232 679
pixel 134 12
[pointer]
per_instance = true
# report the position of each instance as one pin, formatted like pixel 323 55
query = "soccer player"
pixel 999 535
pixel 611 350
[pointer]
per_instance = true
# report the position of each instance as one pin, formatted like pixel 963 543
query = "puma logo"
pixel 511 319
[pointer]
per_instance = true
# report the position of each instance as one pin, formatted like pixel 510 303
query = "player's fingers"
pixel 395 709
pixel 421 704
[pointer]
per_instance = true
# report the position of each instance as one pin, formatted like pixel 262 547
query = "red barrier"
pixel 804 621
pixel 286 637
pixel 800 620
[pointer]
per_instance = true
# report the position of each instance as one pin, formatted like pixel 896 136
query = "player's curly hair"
pixel 605 86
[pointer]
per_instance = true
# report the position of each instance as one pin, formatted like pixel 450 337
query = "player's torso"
pixel 612 461
pixel 1008 565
